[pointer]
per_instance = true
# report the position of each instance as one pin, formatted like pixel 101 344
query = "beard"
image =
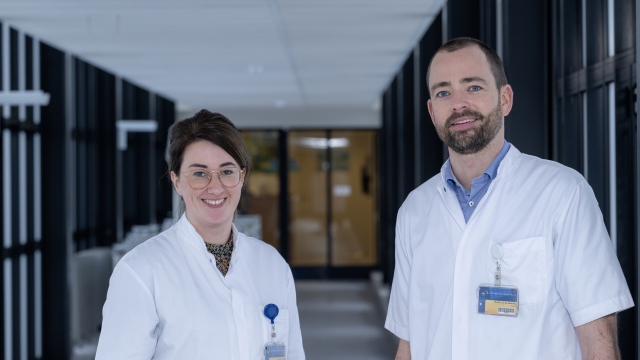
pixel 471 141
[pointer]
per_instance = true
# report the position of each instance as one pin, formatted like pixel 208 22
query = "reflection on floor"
pixel 342 320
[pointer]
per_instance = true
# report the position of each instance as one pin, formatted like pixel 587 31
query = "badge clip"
pixel 273 350
pixel 497 299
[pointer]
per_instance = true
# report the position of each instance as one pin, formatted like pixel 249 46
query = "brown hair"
pixel 208 126
pixel 497 69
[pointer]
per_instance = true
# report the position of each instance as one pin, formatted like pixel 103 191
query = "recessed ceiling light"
pixel 255 69
pixel 376 106
pixel 322 143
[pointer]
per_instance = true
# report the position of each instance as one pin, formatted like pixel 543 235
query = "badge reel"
pixel 273 350
pixel 497 299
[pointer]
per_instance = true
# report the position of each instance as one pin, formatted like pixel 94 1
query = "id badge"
pixel 274 351
pixel 498 300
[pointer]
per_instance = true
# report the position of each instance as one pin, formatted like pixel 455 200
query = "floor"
pixel 343 320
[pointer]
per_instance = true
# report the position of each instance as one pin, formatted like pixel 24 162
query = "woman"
pixel 199 290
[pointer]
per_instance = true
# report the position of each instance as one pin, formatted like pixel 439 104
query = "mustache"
pixel 468 112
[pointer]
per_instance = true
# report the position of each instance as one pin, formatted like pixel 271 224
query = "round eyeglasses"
pixel 199 179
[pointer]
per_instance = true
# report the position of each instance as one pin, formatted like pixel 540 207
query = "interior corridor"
pixel 342 320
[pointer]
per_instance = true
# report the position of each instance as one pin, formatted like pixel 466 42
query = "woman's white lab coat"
pixel 167 300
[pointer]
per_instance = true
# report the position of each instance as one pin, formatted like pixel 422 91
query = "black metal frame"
pixel 332 272
pixel 283 171
pixel 571 80
pixel 329 271
pixel 315 272
pixel 635 155
pixel 18 252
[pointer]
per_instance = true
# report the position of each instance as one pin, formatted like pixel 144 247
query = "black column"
pixel 55 293
pixel 526 60
pixel 283 172
pixel 431 147
pixel 135 174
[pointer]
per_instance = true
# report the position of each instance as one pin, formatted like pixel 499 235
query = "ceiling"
pixel 284 63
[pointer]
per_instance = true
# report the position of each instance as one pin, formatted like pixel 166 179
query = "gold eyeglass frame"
pixel 219 179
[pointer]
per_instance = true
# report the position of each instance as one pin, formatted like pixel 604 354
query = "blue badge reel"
pixel 273 350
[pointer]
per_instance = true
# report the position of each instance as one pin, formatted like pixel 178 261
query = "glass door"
pixel 308 169
pixel 353 198
pixel 332 198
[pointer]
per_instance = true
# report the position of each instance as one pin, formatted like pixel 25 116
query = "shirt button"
pixel 471 203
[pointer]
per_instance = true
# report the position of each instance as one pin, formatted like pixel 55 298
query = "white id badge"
pixel 274 351
pixel 498 300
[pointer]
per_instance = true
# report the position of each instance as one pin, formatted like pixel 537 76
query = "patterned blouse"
pixel 222 253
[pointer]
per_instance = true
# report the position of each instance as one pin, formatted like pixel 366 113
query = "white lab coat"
pixel 167 300
pixel 556 251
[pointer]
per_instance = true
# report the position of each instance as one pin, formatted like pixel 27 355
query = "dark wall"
pixel 626 165
pixel 94 135
pixel 106 115
pixel 561 109
pixel 525 45
pixel 91 131
pixel 463 18
pixel 526 61
pixel 580 135
pixel 406 129
pixel 389 140
pixel 137 169
pixel 430 151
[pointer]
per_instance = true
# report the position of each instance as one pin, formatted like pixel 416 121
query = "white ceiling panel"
pixel 238 53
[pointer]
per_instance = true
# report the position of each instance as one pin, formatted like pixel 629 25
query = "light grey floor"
pixel 342 320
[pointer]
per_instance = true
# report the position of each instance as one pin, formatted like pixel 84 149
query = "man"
pixel 502 255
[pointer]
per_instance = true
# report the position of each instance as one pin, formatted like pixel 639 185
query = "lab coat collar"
pixel 510 161
pixel 194 239
pixel 508 164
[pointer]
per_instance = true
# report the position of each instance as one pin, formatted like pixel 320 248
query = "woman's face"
pixel 214 205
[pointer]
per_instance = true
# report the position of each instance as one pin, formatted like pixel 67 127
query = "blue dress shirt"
pixel 479 186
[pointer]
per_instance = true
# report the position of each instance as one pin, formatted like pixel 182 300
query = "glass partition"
pixel 260 195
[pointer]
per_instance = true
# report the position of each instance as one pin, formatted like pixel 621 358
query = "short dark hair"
pixel 212 127
pixel 497 69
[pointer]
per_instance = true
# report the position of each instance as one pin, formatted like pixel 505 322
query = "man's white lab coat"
pixel 167 300
pixel 557 252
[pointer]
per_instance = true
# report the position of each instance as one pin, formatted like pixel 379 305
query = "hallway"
pixel 342 320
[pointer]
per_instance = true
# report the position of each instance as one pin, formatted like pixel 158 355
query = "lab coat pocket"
pixel 281 323
pixel 523 265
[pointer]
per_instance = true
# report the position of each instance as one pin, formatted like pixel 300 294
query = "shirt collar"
pixel 491 171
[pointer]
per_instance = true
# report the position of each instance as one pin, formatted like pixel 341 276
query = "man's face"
pixel 466 107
